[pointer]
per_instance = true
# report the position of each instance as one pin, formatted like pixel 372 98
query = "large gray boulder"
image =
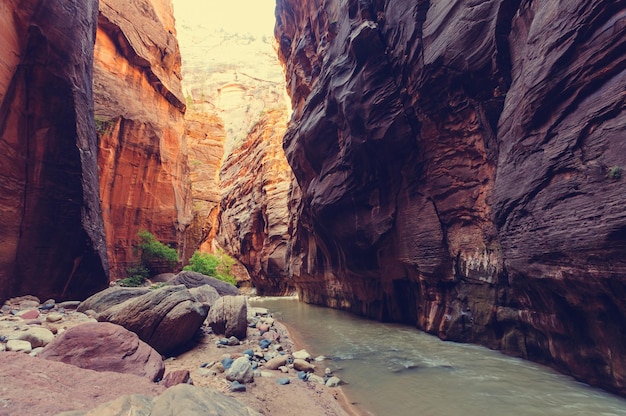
pixel 229 316
pixel 166 318
pixel 194 279
pixel 182 399
pixel 110 297
pixel 103 346
pixel 205 294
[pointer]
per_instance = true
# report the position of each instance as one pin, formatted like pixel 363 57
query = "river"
pixel 393 369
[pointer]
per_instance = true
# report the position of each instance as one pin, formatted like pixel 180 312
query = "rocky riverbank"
pixel 59 358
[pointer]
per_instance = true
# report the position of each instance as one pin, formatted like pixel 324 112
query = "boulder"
pixel 241 370
pixel 228 316
pixel 182 399
pixel 103 346
pixel 110 297
pixel 205 294
pixel 166 318
pixel 36 387
pixel 194 279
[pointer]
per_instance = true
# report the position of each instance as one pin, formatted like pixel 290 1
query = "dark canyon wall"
pixel 460 164
pixel 51 231
pixel 139 109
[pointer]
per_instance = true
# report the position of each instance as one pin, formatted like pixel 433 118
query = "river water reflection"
pixel 396 370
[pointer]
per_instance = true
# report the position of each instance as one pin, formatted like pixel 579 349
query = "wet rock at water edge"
pixel 302 365
pixel 333 382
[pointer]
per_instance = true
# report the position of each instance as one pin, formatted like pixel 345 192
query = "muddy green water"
pixel 396 370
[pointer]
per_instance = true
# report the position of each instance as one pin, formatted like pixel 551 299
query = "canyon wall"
pixel 234 89
pixel 254 216
pixel 139 108
pixel 460 168
pixel 51 232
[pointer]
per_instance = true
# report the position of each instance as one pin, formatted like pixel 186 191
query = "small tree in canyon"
pixel 215 265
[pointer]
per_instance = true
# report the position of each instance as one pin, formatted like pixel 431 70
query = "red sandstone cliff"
pixel 139 106
pixel 254 216
pixel 461 169
pixel 51 231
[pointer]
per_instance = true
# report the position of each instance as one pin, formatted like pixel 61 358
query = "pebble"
pixel 302 365
pixel 232 341
pixel 316 379
pixel 276 362
pixel 320 358
pixel 283 369
pixel 227 362
pixel 54 317
pixel 19 346
pixel 236 386
pixel 302 355
pixel 222 341
pixel 328 371
pixel 282 381
pixel 35 351
pixel 36 336
pixel 248 352
pixel 333 382
pixel 303 375
pixel 29 314
pixel 266 374
pixel 264 343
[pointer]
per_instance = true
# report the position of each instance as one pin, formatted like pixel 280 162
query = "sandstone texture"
pixel 205 136
pixel 460 168
pixel 229 316
pixel 139 111
pixel 51 231
pixel 182 399
pixel 102 346
pixel 196 280
pixel 166 318
pixel 254 216
pixel 41 387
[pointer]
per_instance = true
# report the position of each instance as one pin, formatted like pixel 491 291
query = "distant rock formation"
pixel 461 165
pixel 254 214
pixel 139 107
pixel 51 231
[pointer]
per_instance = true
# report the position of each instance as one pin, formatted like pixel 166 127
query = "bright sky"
pixel 242 16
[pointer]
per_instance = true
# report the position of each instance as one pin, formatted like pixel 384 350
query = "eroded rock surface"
pixel 165 318
pixel 254 214
pixel 102 346
pixel 43 387
pixel 51 231
pixel 139 106
pixel 460 169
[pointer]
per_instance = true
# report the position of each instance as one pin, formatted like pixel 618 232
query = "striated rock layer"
pixel 254 215
pixel 51 232
pixel 460 165
pixel 139 110
pixel 205 136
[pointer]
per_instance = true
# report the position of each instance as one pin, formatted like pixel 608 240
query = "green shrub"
pixel 214 265
pixel 615 172
pixel 154 254
pixel 137 274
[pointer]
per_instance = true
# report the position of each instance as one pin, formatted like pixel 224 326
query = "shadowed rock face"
pixel 51 231
pixel 459 164
pixel 139 115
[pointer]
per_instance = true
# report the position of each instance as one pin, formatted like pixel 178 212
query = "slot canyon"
pixel 454 165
